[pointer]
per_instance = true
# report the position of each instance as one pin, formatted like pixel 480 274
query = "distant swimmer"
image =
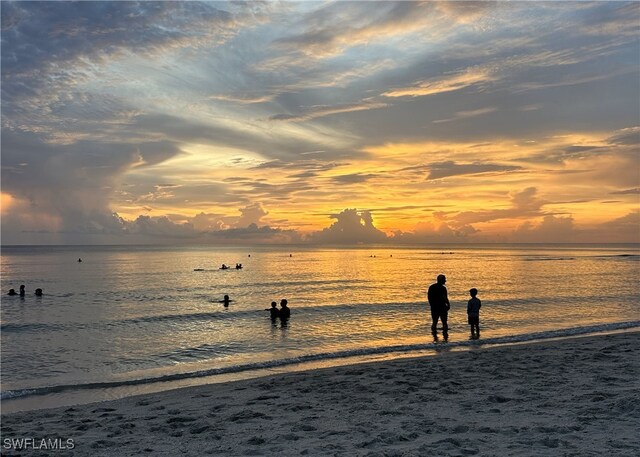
pixel 274 312
pixel 285 312
pixel 22 292
pixel 79 260
pixel 224 267
pixel 238 266
pixel 225 301
pixel 12 292
pixel 38 292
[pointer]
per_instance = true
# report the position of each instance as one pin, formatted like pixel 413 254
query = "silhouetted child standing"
pixel 274 311
pixel 473 312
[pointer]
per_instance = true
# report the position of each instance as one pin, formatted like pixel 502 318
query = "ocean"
pixel 137 319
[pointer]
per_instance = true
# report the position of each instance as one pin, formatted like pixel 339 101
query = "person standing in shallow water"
pixel 225 301
pixel 285 312
pixel 274 312
pixel 473 313
pixel 439 303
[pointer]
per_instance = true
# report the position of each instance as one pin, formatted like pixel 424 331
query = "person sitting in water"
pixel 12 292
pixel 79 260
pixel 238 266
pixel 226 300
pixel 22 292
pixel 273 311
pixel 38 292
pixel 285 312
pixel 224 267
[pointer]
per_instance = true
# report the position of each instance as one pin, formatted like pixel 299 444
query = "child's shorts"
pixel 474 320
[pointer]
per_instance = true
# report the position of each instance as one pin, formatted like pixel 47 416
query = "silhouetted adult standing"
pixel 285 312
pixel 439 302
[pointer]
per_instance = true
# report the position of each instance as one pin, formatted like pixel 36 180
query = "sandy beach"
pixel 571 397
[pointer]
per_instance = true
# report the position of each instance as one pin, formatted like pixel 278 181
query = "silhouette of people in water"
pixel 79 260
pixel 274 312
pixel 224 267
pixel 12 292
pixel 439 302
pixel 22 291
pixel 38 292
pixel 473 313
pixel 225 301
pixel 285 312
pixel 238 266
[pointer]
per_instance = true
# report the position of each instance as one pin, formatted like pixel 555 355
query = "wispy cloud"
pixel 447 83
pixel 314 112
pixel 467 114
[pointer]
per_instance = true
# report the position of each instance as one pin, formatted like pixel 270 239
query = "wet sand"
pixel 571 397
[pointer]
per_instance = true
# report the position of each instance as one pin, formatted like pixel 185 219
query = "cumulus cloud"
pixel 351 227
pixel 426 232
pixel 552 229
pixel 625 229
pixel 251 215
pixel 253 234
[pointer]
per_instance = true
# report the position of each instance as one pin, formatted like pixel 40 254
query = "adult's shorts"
pixel 441 313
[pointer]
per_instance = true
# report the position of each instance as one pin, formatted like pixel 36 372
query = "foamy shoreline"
pixel 577 396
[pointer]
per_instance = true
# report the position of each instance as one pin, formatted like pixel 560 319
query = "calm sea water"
pixel 134 316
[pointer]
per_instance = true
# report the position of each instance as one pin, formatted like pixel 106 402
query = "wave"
pixel 220 314
pixel 542 259
pixel 408 348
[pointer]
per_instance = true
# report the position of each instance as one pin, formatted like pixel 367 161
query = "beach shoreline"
pixel 577 396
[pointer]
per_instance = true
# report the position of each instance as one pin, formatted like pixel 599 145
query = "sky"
pixel 320 122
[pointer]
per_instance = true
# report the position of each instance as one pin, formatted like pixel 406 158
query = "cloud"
pixel 251 215
pixel 635 191
pixel 340 26
pixel 331 29
pixel 255 235
pixel 620 230
pixel 73 183
pixel 353 178
pixel 466 114
pixel 523 204
pixel 471 77
pixel 552 229
pixel 629 137
pixel 326 110
pixel 450 168
pixel 426 232
pixel 40 34
pixel 351 227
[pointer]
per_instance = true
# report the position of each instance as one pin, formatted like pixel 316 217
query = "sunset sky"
pixel 320 122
